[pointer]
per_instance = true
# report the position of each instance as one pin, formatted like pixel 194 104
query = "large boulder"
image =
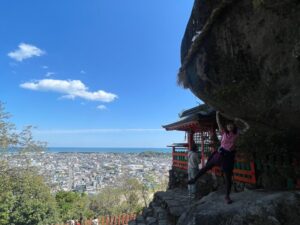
pixel 248 208
pixel 243 58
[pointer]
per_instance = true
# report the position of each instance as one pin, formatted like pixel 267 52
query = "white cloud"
pixel 25 51
pixel 101 107
pixel 45 67
pixel 49 74
pixel 71 88
pixel 82 72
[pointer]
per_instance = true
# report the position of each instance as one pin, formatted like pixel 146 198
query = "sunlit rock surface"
pixel 174 207
pixel 248 208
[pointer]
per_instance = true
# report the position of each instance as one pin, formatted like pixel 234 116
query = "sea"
pixel 106 150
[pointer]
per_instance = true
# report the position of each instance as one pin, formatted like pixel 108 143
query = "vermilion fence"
pixel 244 171
pixel 122 219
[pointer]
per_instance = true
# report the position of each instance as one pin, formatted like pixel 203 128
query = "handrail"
pixel 121 219
pixel 242 173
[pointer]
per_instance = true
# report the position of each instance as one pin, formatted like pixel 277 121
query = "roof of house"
pixel 193 119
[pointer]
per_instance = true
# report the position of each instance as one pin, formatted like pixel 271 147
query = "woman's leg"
pixel 228 165
pixel 209 165
pixel 191 175
pixel 228 183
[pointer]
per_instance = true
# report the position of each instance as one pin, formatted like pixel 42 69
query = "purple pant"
pixel 224 159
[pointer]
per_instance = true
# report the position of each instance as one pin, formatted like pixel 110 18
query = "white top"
pixel 95 222
pixel 193 160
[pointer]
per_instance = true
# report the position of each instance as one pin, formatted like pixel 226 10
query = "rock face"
pixel 243 58
pixel 249 208
pixel 174 207
pixel 165 209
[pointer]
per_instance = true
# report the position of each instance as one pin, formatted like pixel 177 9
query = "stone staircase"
pixel 165 209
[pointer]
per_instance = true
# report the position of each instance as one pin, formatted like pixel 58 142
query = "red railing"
pixel 244 175
pixel 179 156
pixel 244 171
pixel 122 219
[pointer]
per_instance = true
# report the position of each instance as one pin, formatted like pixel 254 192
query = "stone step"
pixel 147 212
pixel 151 221
pixel 159 213
pixel 166 208
pixel 163 222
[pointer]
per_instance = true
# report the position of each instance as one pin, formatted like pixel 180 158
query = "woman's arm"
pixel 218 121
pixel 246 125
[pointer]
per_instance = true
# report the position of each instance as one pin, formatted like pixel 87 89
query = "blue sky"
pixel 94 73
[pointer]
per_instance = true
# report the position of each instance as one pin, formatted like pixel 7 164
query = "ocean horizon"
pixel 106 150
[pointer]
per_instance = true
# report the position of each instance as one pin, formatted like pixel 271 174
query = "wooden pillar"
pixel 119 220
pixel 173 151
pixel 212 138
pixel 112 220
pixel 190 139
pixel 123 219
pixel 202 149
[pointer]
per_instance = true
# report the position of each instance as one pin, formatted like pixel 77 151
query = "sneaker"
pixel 228 200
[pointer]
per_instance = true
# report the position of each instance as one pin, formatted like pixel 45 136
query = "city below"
pixel 91 172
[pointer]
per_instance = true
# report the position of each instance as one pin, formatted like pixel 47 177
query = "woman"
pixel 193 168
pixel 224 157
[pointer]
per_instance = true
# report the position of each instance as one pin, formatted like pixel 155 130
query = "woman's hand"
pixel 218 120
pixel 246 125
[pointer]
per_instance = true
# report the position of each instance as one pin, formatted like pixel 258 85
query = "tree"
pixel 24 197
pixel 26 143
pixel 131 189
pixel 8 135
pixel 72 204
pixel 7 201
pixel 10 138
pixel 108 202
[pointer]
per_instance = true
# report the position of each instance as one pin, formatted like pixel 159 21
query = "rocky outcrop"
pixel 165 209
pixel 243 58
pixel 207 183
pixel 249 208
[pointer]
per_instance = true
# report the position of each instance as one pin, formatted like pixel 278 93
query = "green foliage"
pixel 109 201
pixel 7 202
pixel 128 196
pixel 72 204
pixel 26 143
pixel 10 138
pixel 8 135
pixel 25 199
pixel 132 191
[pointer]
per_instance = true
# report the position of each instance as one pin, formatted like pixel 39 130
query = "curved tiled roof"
pixel 193 119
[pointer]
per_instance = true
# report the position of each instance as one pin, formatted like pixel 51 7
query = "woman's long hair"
pixel 234 130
